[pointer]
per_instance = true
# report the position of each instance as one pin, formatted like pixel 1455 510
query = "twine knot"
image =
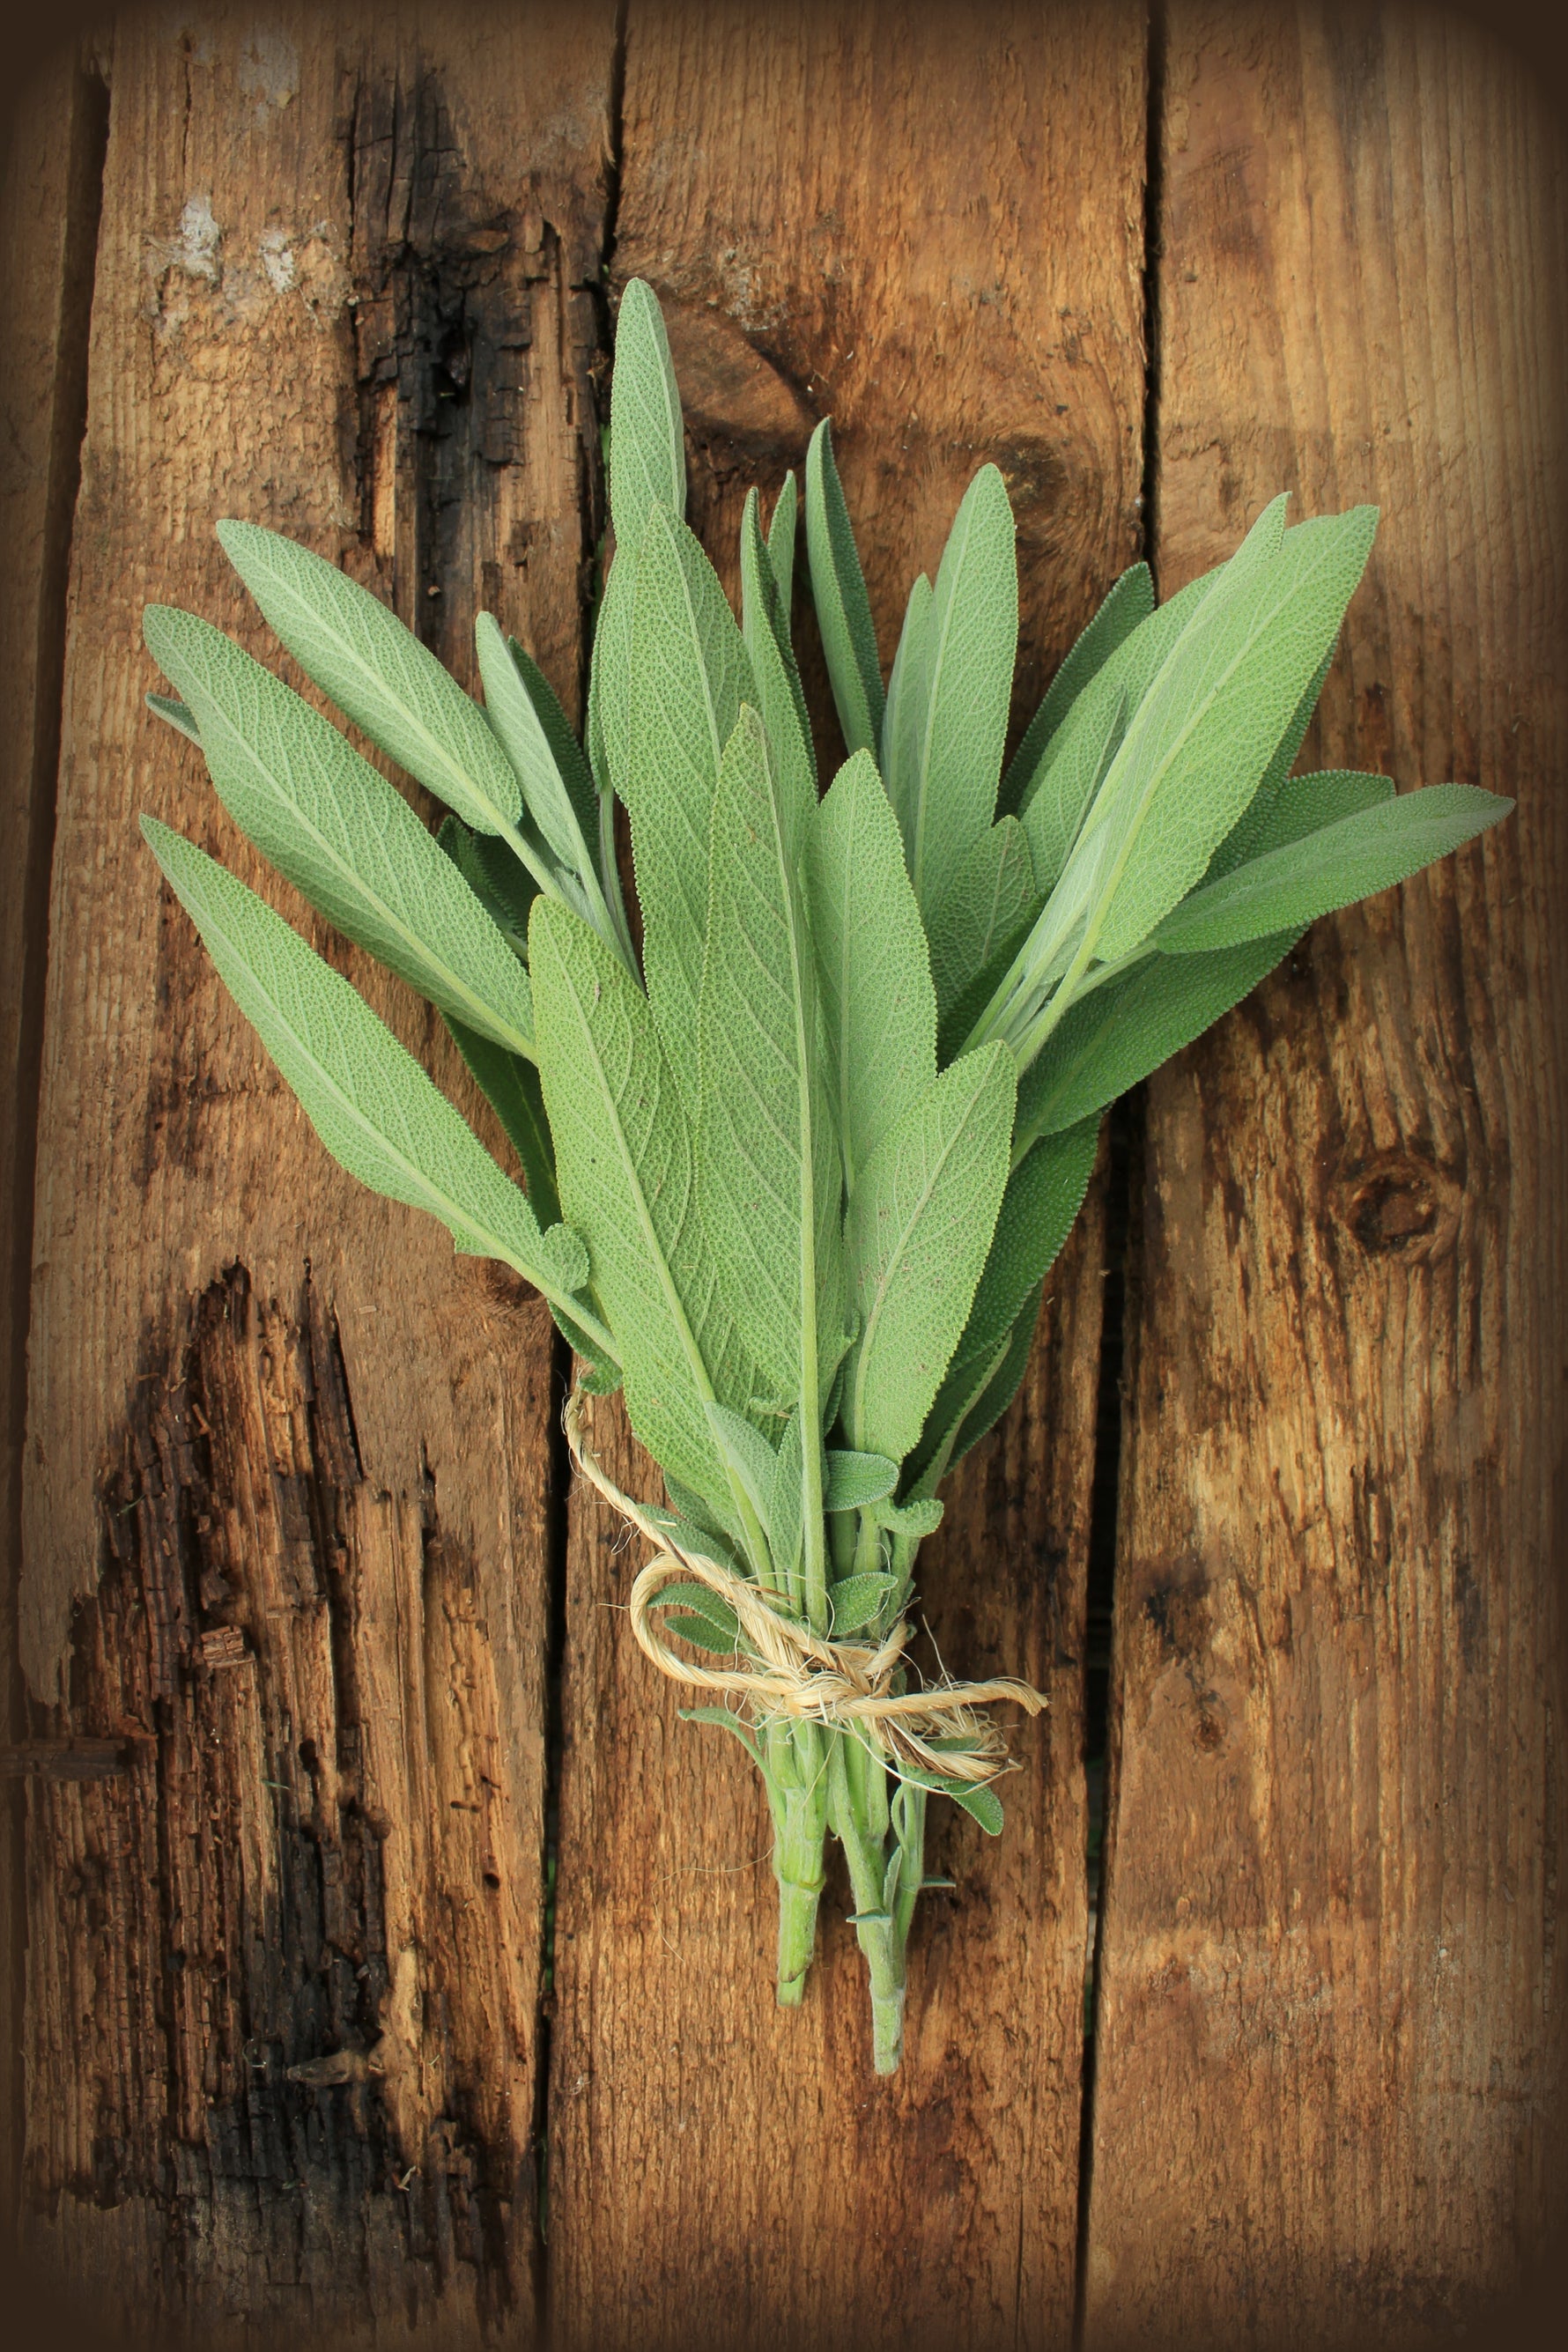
pixel 783 1668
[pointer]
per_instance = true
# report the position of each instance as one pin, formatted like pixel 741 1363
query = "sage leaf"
pixel 689 671
pixel 980 1802
pixel 367 1098
pixel 1197 745
pixel 768 1173
pixel 510 710
pixel 993 899
pixel 784 1516
pixel 916 1235
pixel 855 1603
pixel 706 1617
pixel 340 831
pixel 510 1086
pixel 1129 602
pixel 648 446
pixel 856 1480
pixel 379 675
pixel 500 882
pixel 781 544
pixel 838 593
pixel 781 698
pixel 1244 838
pixel 971 643
pixel 609 678
pixel 176 714
pixel 903 722
pixel 879 1003
pixel 1115 1037
pixel 622 1160
pixel 1290 887
pixel 749 1456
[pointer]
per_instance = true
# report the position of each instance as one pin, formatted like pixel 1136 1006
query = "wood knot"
pixel 1400 1205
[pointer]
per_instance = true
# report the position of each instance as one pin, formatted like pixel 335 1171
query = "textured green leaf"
pixel 511 709
pixel 903 722
pixel 1116 1035
pixel 917 1236
pixel 971 642
pixel 1305 804
pixel 855 1603
pixel 1244 838
pixel 623 1159
pixel 610 676
pixel 878 1004
pixel 367 1098
pixel 1197 747
pixel 768 1171
pixel 1130 602
pixel 690 672
pixel 992 901
pixel 1065 777
pixel 500 882
pixel 781 544
pixel 749 1456
pixel 980 1803
pixel 989 1402
pixel 647 447
pixel 784 1521
pixel 176 714
pixel 568 754
pixel 857 1480
pixel 344 836
pixel 764 626
pixel 1290 886
pixel 913 1521
pixel 510 1086
pixel 378 674
pixel 706 1619
pixel 838 593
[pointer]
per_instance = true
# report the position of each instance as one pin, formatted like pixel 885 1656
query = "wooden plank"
pixel 288 1465
pixel 49 203
pixel 1328 2105
pixel 933 225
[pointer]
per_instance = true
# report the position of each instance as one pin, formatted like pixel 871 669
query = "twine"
pixel 802 1675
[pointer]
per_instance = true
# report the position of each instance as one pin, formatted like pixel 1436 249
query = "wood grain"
pixel 287 1517
pixel 49 203
pixel 1328 2105
pixel 722 2172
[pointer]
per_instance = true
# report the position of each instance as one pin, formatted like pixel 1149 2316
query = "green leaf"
pixel 568 754
pixel 784 1521
pixel 174 714
pixel 1116 1035
pixel 1197 747
pixel 878 1004
pixel 712 1519
pixel 980 1802
pixel 609 676
pixel 781 544
pixel 510 707
pixel 913 1521
pixel 838 592
pixel 768 1172
pixel 690 672
pixel 748 1455
pixel 378 674
pixel 500 882
pixel 993 900
pixel 344 836
pixel 1305 804
pixel 597 1373
pixel 782 702
pixel 857 1601
pixel 1362 854
pixel 623 1159
pixel 367 1098
pixel 917 1232
pixel 648 448
pixel 903 722
pixel 713 1624
pixel 1244 838
pixel 970 641
pixel 730 1723
pixel 856 1480
pixel 1130 602
pixel 510 1086
pixel 1067 776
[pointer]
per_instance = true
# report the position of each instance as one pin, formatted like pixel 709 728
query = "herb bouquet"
pixel 795 1172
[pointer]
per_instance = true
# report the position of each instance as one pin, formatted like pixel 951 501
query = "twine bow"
pixel 798 1672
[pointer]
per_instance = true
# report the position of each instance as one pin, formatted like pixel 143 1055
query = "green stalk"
pixel 876 1930
pixel 797 1790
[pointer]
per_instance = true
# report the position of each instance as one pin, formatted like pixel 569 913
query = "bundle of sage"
pixel 798 1164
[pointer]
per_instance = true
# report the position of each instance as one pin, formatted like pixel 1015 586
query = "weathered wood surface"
pixel 295 1509
pixel 1327 2108
pixel 723 2172
pixel 288 1455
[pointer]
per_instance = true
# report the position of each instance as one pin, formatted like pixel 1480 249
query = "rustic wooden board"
pixel 1328 2108
pixel 289 1459
pixel 49 205
pixel 721 2171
